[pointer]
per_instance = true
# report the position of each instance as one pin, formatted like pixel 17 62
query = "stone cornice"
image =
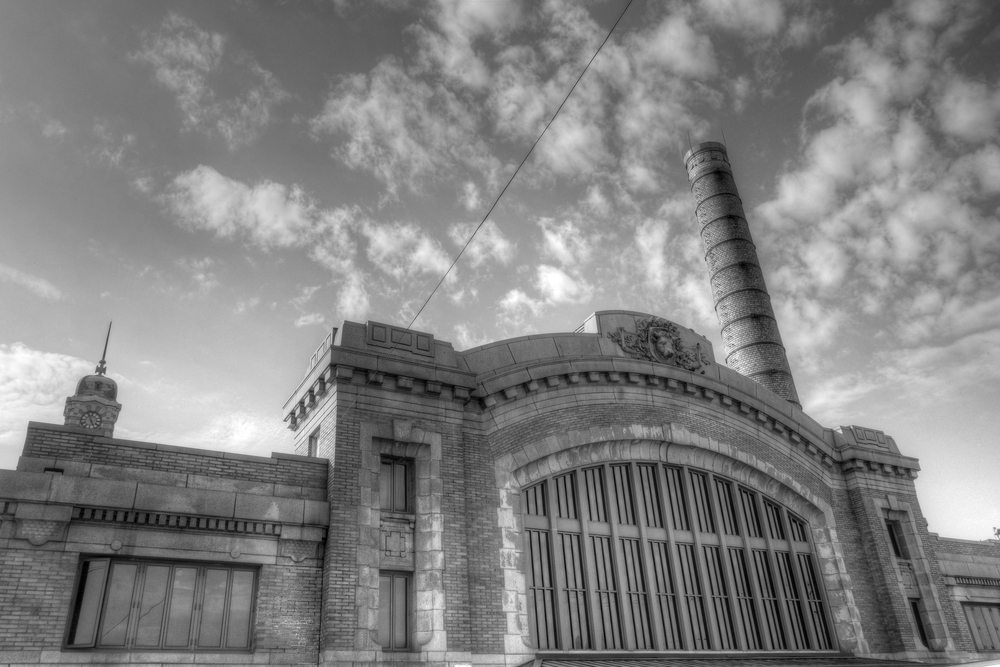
pixel 516 382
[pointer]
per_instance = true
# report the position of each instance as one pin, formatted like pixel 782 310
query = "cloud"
pixel 404 131
pixel 193 63
pixel 404 250
pixel 515 307
pixel 969 110
pixel 268 214
pixel 40 287
pixel 763 18
pixel 112 146
pixel 200 272
pixel 54 130
pixel 568 242
pixel 447 44
pixel 490 244
pixel 309 319
pixel 33 386
pixel 558 286
pixel 353 302
pixel 676 45
pixel 879 204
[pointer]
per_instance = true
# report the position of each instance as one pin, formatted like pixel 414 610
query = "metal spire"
pixel 102 366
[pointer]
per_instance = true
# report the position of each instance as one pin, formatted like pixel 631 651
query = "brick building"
pixel 610 493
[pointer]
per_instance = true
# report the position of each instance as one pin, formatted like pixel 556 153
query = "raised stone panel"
pixel 184 501
pixel 269 508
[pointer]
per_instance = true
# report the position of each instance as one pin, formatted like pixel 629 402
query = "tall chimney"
pixel 749 330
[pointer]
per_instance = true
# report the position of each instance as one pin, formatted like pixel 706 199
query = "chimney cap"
pixel 705 146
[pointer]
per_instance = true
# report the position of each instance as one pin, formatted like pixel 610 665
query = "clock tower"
pixel 94 406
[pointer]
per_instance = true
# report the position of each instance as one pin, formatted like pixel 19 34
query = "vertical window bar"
pixel 814 600
pixel 677 498
pixel 746 610
pixel 685 635
pixel 595 494
pixel 665 594
pixel 717 561
pixel 699 501
pixel 607 628
pixel 575 628
pixel 623 494
pixel 772 572
pixel 741 516
pixel 540 586
pixel 652 516
pixel 693 602
pixel 566 496
pixel 811 632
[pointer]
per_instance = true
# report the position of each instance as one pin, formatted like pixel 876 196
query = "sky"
pixel 228 181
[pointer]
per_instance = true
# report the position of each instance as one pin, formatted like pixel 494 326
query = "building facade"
pixel 608 493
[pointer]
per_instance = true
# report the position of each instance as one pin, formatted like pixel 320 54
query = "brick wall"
pixel 73 444
pixel 35 591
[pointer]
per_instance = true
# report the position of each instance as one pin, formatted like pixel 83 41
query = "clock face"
pixel 91 419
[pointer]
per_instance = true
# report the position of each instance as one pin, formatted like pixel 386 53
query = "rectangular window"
pixel 394 611
pixel 396 484
pixel 136 604
pixel 896 538
pixel 313 442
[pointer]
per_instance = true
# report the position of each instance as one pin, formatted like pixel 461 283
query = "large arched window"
pixel 648 556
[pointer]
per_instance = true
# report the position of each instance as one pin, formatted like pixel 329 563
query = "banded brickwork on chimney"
pixel 749 329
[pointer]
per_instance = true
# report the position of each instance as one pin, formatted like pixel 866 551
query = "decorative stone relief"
pixel 659 340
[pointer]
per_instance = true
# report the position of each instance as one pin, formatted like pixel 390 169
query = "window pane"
pixel 240 604
pixel 384 611
pixel 118 604
pixel 84 626
pixel 385 485
pixel 400 481
pixel 212 608
pixel 400 612
pixel 181 604
pixel 154 595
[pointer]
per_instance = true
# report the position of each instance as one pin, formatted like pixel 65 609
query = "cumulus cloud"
pixel 403 130
pixel 404 250
pixel 559 286
pixel 490 244
pixel 886 203
pixel 33 387
pixel 268 214
pixel 567 241
pixel 192 63
pixel 678 46
pixel 38 286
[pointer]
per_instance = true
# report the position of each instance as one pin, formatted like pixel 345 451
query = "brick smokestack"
pixel 749 329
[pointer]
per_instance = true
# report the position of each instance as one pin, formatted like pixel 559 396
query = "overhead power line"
pixel 518 169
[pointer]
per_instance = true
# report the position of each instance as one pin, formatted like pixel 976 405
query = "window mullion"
pixel 625 620
pixel 699 559
pixel 772 559
pixel 758 595
pixel 687 636
pixel 652 609
pixel 556 564
pixel 583 514
pixel 730 597
pixel 797 579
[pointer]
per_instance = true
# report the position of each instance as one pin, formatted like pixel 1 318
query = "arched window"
pixel 647 556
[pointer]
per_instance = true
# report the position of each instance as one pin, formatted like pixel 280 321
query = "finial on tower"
pixel 102 365
pixel 95 405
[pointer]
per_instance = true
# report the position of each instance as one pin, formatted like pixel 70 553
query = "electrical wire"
pixel 518 169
